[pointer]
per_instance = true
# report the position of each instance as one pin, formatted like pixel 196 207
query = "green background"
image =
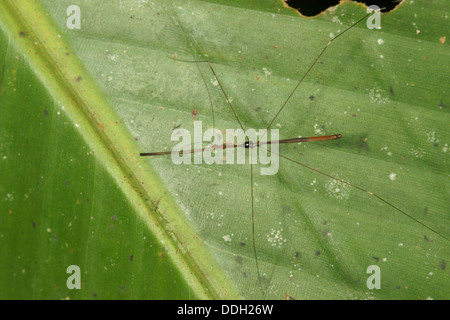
pixel 78 106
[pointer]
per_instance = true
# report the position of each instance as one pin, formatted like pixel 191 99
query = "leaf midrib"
pixel 46 52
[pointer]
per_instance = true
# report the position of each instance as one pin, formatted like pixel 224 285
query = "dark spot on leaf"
pixel 286 209
pixel 94 295
pixel 297 255
pixel 363 146
pixel 442 105
pixel 33 224
pixel 354 115
pixel 22 34
pixel 239 259
pixel 114 218
pixel 45 112
pixel 244 274
pixel 131 258
pixel 426 239
pixel 391 90
pixel 78 79
pixel 176 127
pixel 425 211
pixel 317 253
pixel 376 258
pixel 242 244
pixel 443 264
pixel 257 109
pixel 311 98
pixel 436 144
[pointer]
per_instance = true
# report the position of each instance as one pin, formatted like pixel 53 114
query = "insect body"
pixel 336 186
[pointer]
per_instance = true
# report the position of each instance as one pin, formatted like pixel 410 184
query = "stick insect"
pixel 265 276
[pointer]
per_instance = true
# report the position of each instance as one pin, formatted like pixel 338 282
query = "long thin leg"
pixel 363 190
pixel 309 69
pixel 253 222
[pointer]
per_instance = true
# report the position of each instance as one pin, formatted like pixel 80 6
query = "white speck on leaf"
pixel 337 189
pixel 267 72
pixel 378 96
pixel 417 152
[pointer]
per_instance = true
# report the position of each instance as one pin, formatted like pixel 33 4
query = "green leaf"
pixel 120 92
pixel 93 204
